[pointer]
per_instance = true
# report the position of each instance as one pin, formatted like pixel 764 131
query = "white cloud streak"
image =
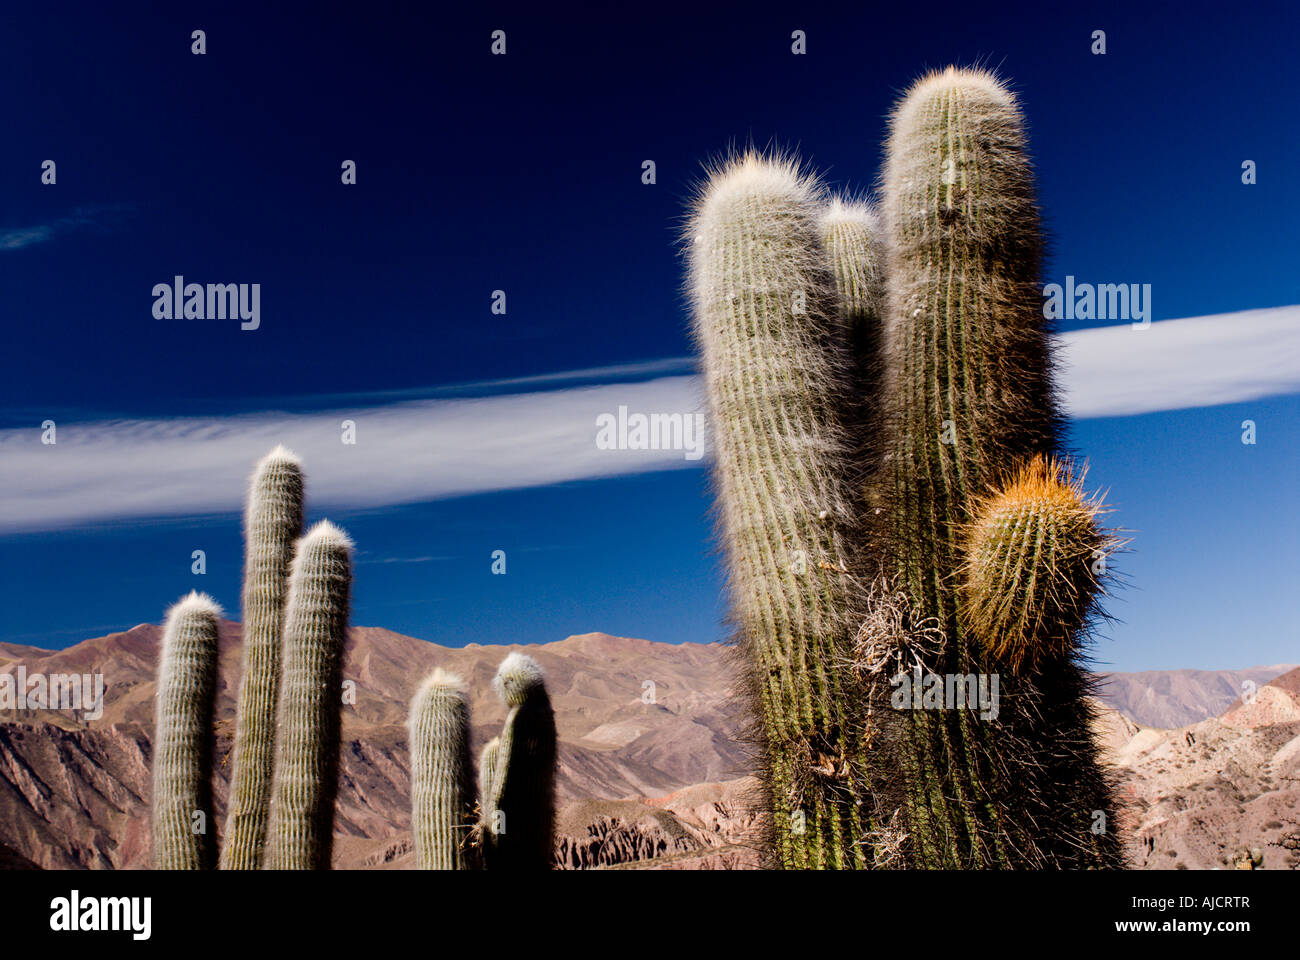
pixel 1177 364
pixel 429 449
pixel 404 453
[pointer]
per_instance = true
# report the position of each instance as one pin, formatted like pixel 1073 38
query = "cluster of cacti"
pixel 884 434
pixel 296 598
pixel 513 827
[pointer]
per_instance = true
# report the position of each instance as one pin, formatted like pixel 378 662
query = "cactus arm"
pixel 183 829
pixel 521 806
pixel 442 773
pixel 770 334
pixel 308 717
pixel 272 523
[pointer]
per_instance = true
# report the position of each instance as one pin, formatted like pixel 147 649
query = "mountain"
pixel 651 773
pixel 1197 795
pixel 1175 698
pixel 635 719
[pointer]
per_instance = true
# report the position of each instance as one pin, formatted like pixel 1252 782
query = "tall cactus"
pixel 775 358
pixel 308 717
pixel 519 814
pixel 875 384
pixel 272 522
pixel 183 831
pixel 969 393
pixel 442 774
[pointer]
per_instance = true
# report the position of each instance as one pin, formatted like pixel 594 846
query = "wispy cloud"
pixel 91 216
pixel 404 453
pixel 24 237
pixel 415 450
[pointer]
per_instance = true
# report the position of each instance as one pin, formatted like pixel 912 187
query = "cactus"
pixel 307 718
pixel 775 357
pixel 518 828
pixel 853 241
pixel 183 838
pixel 516 809
pixel 290 698
pixel 969 397
pixel 442 773
pixel 487 769
pixel 851 237
pixel 878 435
pixel 272 522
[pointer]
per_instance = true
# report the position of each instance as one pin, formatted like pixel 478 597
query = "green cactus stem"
pixel 272 523
pixel 308 717
pixel 519 814
pixel 776 362
pixel 184 835
pixel 442 774
pixel 487 769
pixel 969 397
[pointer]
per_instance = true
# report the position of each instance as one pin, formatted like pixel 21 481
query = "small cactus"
pixel 1028 580
pixel 519 815
pixel 307 721
pixel 442 773
pixel 184 837
pixel 854 243
pixel 487 769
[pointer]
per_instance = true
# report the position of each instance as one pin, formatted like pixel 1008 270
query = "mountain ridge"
pixel 651 770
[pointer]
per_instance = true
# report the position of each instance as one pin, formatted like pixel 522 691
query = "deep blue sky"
pixel 523 173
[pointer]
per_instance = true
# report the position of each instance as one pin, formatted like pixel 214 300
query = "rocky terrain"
pixel 651 773
pixel 1197 794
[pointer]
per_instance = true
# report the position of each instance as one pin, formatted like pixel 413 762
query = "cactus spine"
pixel 519 814
pixel 307 720
pixel 442 773
pixel 272 522
pixel 772 338
pixel 183 836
